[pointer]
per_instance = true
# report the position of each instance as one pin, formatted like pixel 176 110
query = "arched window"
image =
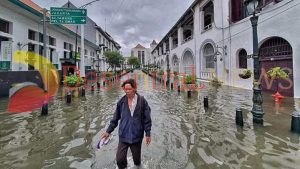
pixel 243 59
pixel 188 63
pixel 209 55
pixel 175 63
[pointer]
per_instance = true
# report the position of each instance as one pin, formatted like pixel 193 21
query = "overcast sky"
pixel 131 22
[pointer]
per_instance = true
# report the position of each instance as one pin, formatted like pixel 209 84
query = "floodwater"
pixel 184 134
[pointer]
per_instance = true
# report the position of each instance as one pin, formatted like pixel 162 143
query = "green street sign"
pixel 5 65
pixel 67 12
pixel 67 20
pixel 67 16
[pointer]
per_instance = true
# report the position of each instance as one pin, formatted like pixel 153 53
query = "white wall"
pixel 281 19
pixel 22 22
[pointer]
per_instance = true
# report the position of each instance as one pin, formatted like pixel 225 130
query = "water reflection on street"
pixel 184 134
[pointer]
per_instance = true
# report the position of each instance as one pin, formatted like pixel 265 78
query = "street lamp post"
pixel 97 54
pixel 257 111
pixel 82 40
pixel 168 68
pixel 20 47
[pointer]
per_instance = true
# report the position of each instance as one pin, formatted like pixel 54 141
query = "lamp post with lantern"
pixel 257 110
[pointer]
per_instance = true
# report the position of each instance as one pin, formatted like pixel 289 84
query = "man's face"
pixel 129 90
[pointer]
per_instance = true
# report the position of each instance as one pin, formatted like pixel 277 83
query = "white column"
pixel 196 33
pixel 159 51
pixel 164 47
pixel 171 43
pixel 296 71
pixel 82 65
pixel 180 35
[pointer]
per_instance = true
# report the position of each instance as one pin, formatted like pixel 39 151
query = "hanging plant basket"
pixel 246 74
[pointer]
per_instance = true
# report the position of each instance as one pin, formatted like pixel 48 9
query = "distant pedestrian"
pixel 134 114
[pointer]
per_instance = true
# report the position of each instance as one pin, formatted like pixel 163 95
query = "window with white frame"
pixel 242 59
pixel 208 15
pixel 209 56
pixel 188 63
pixel 5 26
pixel 31 34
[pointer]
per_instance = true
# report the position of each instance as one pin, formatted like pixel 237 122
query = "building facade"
pixel 143 53
pixel 23 30
pixel 213 39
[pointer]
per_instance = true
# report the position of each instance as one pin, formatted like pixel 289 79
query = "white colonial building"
pixel 215 37
pixel 21 29
pixel 142 53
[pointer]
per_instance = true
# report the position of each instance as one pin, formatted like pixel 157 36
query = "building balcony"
pixel 174 46
pixel 207 75
pixel 187 39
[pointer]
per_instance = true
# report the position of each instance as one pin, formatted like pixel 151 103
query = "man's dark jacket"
pixel 131 129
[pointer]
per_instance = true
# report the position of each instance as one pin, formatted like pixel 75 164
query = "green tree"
pixel 133 61
pixel 114 59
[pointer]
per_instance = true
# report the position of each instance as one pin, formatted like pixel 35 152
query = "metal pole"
pixel 257 110
pixel 82 65
pixel 45 105
pixel 76 46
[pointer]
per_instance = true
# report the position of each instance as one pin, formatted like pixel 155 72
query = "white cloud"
pixel 131 21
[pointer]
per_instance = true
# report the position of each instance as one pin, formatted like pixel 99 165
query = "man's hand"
pixel 148 140
pixel 105 135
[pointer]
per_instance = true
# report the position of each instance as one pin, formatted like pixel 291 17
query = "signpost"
pixel 67 16
pixel 6 55
pixel 72 16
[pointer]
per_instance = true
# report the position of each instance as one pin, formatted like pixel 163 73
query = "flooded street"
pixel 184 134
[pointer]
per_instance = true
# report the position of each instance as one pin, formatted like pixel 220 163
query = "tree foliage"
pixel 134 61
pixel 114 59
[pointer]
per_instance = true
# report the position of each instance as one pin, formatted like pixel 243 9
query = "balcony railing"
pixel 187 39
pixel 207 27
pixel 175 46
pixel 206 75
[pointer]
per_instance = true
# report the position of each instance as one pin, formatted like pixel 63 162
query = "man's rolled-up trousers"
pixel 121 156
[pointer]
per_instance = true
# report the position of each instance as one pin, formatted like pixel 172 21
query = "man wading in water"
pixel 134 114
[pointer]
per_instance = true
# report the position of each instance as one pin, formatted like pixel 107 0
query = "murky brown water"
pixel 185 135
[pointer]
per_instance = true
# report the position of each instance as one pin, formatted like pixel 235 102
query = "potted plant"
pixel 81 81
pixel 246 74
pixel 190 81
pixel 160 74
pixel 175 77
pixel 72 82
pixel 276 73
pixel 215 82
pixel 108 75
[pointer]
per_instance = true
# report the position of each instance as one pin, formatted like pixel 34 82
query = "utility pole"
pixel 45 104
pixel 82 64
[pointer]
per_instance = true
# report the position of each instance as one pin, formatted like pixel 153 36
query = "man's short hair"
pixel 131 82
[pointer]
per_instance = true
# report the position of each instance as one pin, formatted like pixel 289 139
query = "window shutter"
pixel 237 10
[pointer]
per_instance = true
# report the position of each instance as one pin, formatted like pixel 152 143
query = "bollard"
pixel 82 92
pixel 98 85
pixel 44 109
pixel 206 102
pixel 69 97
pixel 178 89
pixel 295 126
pixel 239 117
pixel 189 93
pixel 171 86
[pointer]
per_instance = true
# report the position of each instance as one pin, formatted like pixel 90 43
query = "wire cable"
pixel 260 22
